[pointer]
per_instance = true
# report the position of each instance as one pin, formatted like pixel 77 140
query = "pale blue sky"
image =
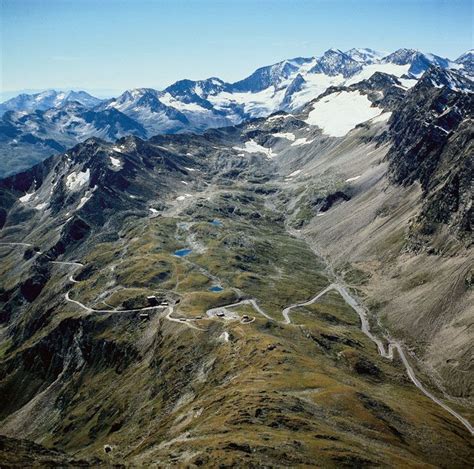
pixel 112 45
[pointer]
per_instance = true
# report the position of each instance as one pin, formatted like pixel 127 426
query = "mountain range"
pixel 294 289
pixel 35 126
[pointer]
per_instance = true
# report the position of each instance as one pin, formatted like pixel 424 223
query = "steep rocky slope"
pixel 89 366
pixel 432 135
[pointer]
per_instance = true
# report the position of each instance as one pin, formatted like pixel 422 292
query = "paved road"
pixel 365 327
pixel 287 310
pixel 92 310
pixel 416 382
pixel 348 298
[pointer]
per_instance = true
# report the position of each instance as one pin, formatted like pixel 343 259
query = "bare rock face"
pixel 432 144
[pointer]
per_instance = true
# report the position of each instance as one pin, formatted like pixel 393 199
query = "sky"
pixel 107 46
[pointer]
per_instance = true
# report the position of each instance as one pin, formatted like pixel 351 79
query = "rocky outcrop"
pixel 432 135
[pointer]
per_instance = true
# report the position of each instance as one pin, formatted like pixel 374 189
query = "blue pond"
pixel 216 288
pixel 216 223
pixel 182 252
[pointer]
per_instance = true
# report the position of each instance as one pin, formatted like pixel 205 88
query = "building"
pixel 152 300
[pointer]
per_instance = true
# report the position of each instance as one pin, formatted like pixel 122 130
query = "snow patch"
pixel 251 146
pixel 286 135
pixel 25 198
pixel 338 113
pixel 85 198
pixel 75 181
pixel 224 336
pixel 182 197
pixel 295 173
pixel 385 116
pixel 353 178
pixel 279 116
pixel 115 162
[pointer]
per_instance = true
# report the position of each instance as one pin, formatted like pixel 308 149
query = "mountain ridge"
pixel 195 106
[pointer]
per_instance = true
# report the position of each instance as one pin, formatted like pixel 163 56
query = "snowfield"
pixel 285 135
pixel 369 70
pixel 338 113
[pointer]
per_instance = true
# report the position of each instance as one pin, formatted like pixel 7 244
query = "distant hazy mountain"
pixel 47 100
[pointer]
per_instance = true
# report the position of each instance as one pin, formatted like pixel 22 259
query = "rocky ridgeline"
pixel 431 131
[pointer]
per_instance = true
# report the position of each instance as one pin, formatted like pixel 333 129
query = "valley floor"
pixel 236 375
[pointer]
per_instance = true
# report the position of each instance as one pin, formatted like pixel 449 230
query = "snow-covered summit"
pixel 46 100
pixel 466 61
pixel 335 62
pixel 418 61
pixel 440 78
pixel 364 55
pixel 54 119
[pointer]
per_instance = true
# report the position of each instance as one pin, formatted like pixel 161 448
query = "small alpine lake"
pixel 182 252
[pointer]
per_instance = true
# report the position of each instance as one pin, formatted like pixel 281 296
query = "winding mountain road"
pixel 365 327
pixel 348 298
pixel 213 311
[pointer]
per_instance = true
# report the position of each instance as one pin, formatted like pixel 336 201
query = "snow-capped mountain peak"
pixel 335 62
pixel 440 78
pixel 46 100
pixel 365 55
pixel 418 61
pixel 468 55
pixel 54 119
pixel 466 61
pixel 271 75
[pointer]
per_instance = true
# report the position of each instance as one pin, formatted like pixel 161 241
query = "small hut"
pixel 152 300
